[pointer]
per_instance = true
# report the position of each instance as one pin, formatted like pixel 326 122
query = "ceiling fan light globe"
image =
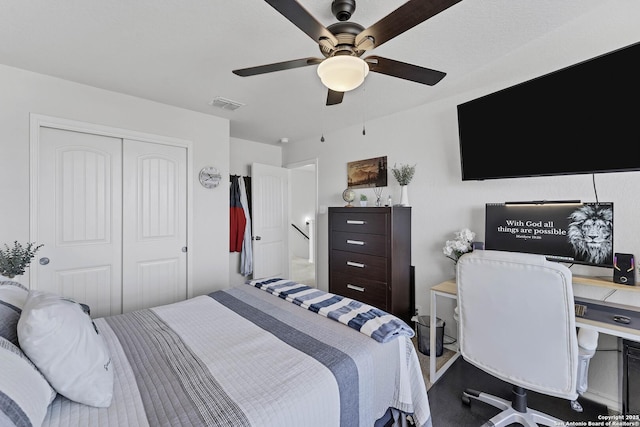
pixel 343 73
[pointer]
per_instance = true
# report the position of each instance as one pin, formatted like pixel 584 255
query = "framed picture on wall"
pixel 367 173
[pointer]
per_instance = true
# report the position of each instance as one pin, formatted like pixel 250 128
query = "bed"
pixel 257 354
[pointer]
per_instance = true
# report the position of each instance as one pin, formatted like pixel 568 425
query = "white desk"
pixel 586 287
pixel 447 289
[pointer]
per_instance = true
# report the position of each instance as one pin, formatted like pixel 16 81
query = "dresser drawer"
pixel 372 244
pixel 356 222
pixel 361 265
pixel 367 291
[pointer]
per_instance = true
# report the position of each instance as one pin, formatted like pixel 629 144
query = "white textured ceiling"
pixel 182 52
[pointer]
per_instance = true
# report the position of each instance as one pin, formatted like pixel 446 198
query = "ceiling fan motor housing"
pixel 343 9
pixel 345 33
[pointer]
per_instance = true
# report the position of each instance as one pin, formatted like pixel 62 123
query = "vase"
pixel 363 203
pixel 10 279
pixel 404 197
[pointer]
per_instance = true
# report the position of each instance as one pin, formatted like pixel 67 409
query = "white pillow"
pixel 25 393
pixel 62 341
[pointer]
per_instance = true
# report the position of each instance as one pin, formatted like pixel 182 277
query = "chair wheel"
pixel 466 400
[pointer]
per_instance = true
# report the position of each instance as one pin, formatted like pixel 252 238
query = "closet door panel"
pixel 79 218
pixel 154 224
pixel 157 282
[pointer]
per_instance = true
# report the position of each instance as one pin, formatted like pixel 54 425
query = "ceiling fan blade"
pixel 400 20
pixel 404 71
pixel 301 18
pixel 277 66
pixel 334 97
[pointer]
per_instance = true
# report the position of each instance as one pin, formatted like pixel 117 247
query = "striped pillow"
pixel 25 394
pixel 12 298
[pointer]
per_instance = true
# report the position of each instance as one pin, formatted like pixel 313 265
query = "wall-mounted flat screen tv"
pixel 571 232
pixel 581 119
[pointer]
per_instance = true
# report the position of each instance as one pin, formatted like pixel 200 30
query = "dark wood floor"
pixel 447 408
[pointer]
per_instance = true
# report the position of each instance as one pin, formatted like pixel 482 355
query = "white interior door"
pixel 270 205
pixel 154 238
pixel 79 218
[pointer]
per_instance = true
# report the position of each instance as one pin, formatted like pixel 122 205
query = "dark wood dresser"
pixel 370 257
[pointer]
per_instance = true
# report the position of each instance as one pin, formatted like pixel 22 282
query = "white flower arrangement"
pixel 453 249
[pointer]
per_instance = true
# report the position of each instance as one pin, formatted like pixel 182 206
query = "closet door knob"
pixel 43 261
pixel 257 238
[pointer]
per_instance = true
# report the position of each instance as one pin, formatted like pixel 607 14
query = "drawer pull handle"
pixel 355 222
pixel 355 242
pixel 355 264
pixel 355 288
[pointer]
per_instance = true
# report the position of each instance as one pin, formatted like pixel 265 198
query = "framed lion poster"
pixel 572 232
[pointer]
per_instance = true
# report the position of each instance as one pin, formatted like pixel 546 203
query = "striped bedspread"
pixel 371 321
pixel 241 357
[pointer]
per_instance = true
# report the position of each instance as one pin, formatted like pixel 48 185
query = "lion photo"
pixel 590 233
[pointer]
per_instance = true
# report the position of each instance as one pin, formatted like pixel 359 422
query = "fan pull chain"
pixel 322 108
pixel 364 91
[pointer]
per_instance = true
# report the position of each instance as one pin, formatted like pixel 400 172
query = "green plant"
pixel 403 173
pixel 14 260
pixel 363 197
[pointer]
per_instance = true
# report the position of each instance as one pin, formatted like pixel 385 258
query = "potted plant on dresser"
pixel 404 174
pixel 363 200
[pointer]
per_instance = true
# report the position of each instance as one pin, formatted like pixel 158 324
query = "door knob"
pixel 43 261
pixel 257 238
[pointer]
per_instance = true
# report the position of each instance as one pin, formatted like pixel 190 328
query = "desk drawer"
pixel 359 222
pixel 360 265
pixel 372 244
pixel 367 291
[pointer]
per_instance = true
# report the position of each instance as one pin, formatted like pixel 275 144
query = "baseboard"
pixel 612 404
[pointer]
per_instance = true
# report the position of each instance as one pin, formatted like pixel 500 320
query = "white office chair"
pixel 517 322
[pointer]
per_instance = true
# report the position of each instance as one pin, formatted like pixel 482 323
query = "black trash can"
pixel 423 335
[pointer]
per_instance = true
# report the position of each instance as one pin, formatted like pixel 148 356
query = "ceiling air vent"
pixel 225 104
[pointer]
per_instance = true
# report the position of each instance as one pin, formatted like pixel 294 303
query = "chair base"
pixel 523 415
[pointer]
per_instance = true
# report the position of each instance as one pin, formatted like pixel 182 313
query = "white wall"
pixel 442 203
pixel 242 154
pixel 25 92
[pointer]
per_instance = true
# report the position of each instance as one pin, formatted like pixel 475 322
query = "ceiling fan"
pixel 343 43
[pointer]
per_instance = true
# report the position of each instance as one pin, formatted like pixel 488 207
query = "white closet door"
pixel 79 218
pixel 154 225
